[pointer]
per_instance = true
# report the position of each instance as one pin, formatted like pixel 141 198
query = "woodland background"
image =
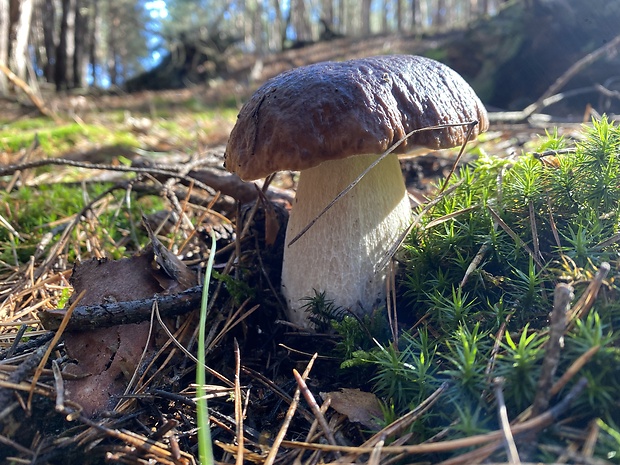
pixel 81 43
pixel 509 51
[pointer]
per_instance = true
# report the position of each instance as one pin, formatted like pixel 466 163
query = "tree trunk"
pixel 94 31
pixel 60 70
pixel 440 15
pixel 281 22
pixel 4 43
pixel 301 22
pixel 483 7
pixel 365 17
pixel 258 31
pixel 385 25
pixel 327 13
pixel 113 46
pixel 80 43
pixel 19 52
pixel 49 39
pixel 399 16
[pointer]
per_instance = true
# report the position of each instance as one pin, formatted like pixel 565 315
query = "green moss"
pixel 36 211
pixel 58 139
pixel 516 229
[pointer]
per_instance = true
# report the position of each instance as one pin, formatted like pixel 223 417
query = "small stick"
pixel 473 265
pixel 18 337
pixel 509 441
pixel 238 407
pixel 271 457
pixel 573 370
pixel 535 424
pixel 591 439
pixel 314 426
pixel 585 302
pixel 59 385
pixel 375 456
pixel 303 387
pixel 34 98
pixel 398 424
pixel 99 316
pixel 514 236
pixel 471 125
pixel 51 346
pixel 534 229
pixel 561 303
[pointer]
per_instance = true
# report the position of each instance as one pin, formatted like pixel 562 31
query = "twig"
pixel 59 385
pixel 509 442
pixel 571 72
pixel 33 343
pixel 561 303
pixel 187 353
pixel 534 228
pixel 271 457
pixel 97 166
pixel 575 367
pixel 375 456
pixel 52 345
pixel 399 424
pixel 473 265
pixel 585 302
pixel 34 98
pixel 18 337
pixel 471 125
pixel 514 236
pixel 238 407
pixel 24 369
pixel 535 424
pixel 429 206
pixel 116 313
pixel 303 387
pixel 314 426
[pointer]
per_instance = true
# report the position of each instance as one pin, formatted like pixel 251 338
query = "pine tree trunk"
pixel 113 49
pixel 80 44
pixel 4 43
pixel 92 42
pixel 399 16
pixel 60 70
pixel 365 18
pixel 19 49
pixel 49 39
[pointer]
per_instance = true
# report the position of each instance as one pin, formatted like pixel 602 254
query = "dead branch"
pixel 34 98
pixel 117 313
pixel 209 179
pixel 551 95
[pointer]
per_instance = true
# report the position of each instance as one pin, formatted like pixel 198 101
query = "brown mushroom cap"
pixel 334 110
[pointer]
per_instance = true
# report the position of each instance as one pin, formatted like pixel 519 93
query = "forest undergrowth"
pixel 500 341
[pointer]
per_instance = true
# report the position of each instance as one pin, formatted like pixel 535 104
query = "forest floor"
pixel 80 390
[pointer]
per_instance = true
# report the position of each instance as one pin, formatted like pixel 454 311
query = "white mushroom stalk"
pixel 349 240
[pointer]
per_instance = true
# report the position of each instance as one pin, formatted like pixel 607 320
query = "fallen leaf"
pixel 358 406
pixel 109 356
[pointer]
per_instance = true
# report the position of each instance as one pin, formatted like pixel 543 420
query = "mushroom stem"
pixel 339 254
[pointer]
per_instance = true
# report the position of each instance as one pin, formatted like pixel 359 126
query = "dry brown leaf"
pixel 358 406
pixel 109 356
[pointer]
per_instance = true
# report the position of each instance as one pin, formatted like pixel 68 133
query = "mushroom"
pixel 330 121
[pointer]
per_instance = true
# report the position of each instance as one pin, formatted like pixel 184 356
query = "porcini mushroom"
pixel 330 121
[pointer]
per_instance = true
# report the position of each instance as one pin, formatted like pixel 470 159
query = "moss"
pixel 483 227
pixel 58 139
